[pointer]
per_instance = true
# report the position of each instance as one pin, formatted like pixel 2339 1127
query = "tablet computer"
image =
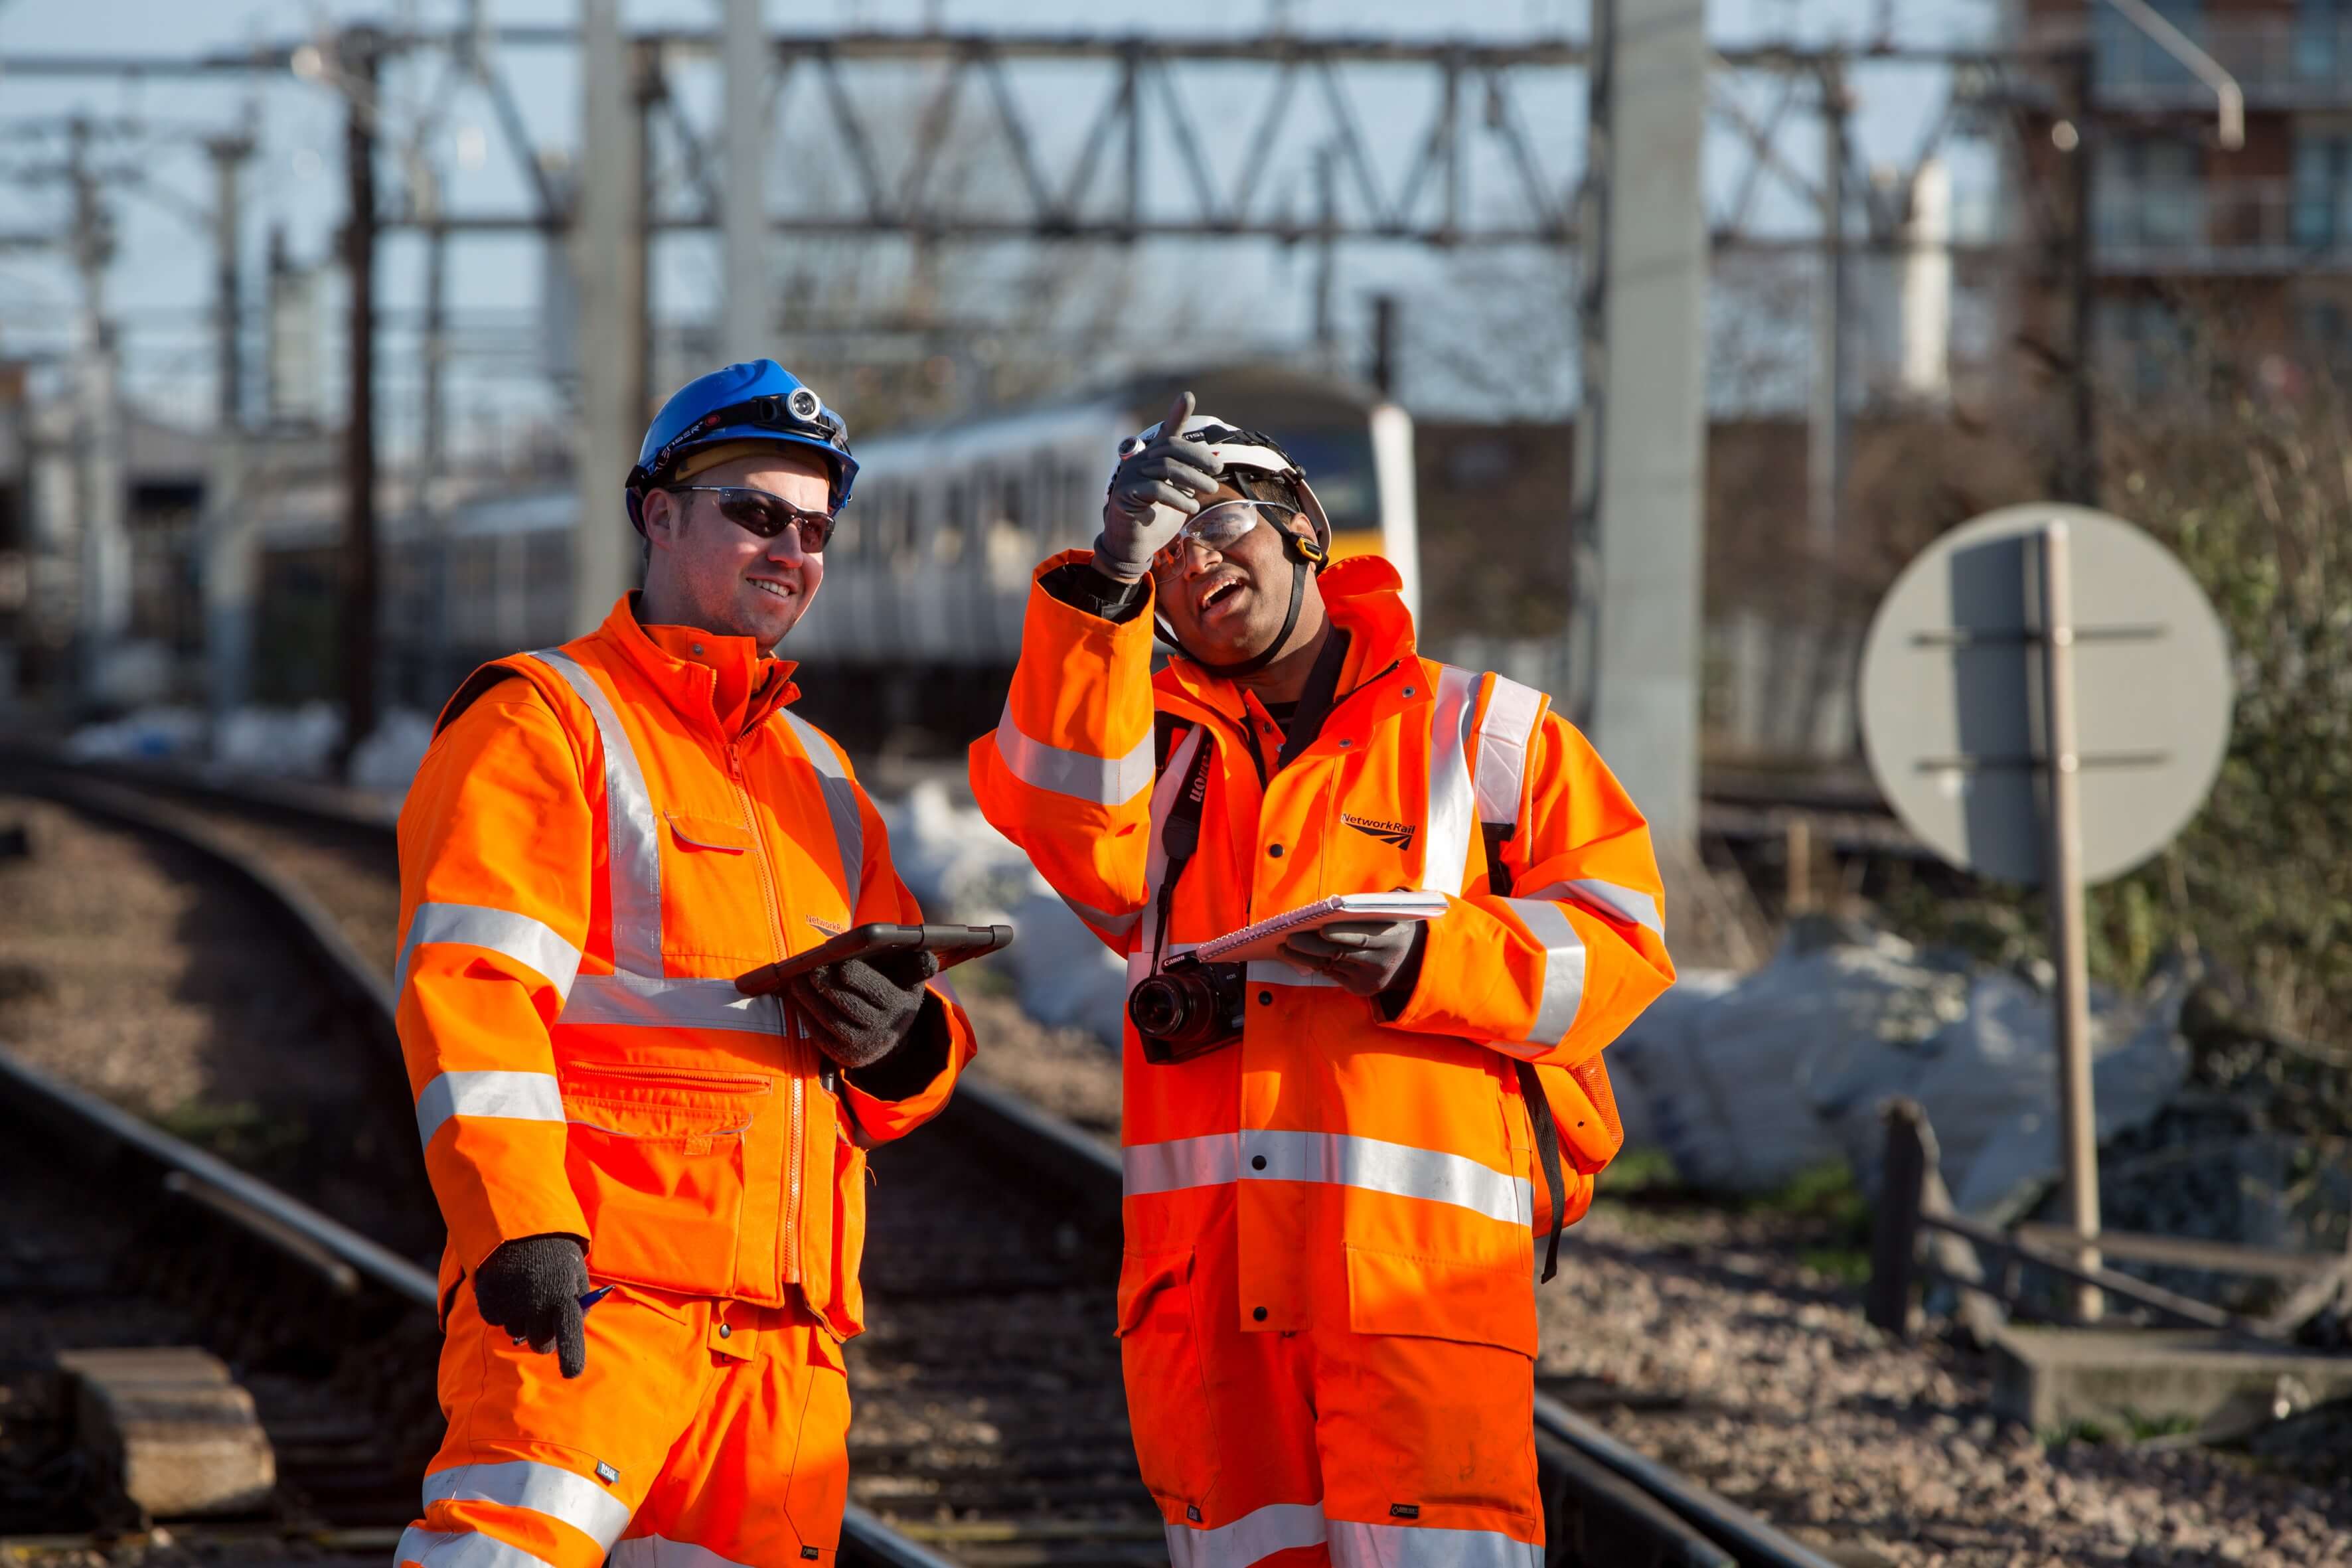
pixel 952 943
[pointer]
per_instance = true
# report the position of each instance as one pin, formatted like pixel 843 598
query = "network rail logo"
pixel 1398 834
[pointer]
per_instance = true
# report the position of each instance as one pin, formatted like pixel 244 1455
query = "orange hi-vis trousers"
pixel 705 1434
pixel 1324 1445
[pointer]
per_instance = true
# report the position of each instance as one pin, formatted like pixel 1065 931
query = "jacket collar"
pixel 727 683
pixel 1364 597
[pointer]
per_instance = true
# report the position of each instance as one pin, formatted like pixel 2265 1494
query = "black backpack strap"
pixel 1315 702
pixel 1546 1133
pixel 1498 876
pixel 1165 730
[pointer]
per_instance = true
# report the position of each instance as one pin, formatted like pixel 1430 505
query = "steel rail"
pixel 1697 1527
pixel 253 1205
pixel 291 1227
pixel 1754 1542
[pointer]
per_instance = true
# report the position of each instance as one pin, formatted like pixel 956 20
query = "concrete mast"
pixel 608 261
pixel 103 622
pixel 1641 437
pixel 747 326
pixel 230 575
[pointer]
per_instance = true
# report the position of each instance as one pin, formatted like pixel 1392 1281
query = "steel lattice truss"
pixel 981 136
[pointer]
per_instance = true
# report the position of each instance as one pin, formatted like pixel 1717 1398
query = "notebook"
pixel 1265 938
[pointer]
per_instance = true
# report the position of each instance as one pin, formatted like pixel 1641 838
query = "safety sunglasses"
pixel 765 514
pixel 1220 528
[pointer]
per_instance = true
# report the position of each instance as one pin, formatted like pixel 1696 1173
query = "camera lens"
pixel 1158 1006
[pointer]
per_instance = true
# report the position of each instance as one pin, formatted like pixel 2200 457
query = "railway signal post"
pixel 2045 699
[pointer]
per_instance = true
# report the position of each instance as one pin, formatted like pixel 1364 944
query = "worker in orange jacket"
pixel 1337 1160
pixel 655 1187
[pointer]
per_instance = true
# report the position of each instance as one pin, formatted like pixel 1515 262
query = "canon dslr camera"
pixel 1189 1008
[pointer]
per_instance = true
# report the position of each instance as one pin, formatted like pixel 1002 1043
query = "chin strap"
pixel 1305 555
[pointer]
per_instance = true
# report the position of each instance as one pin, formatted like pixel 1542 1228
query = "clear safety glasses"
pixel 1219 528
pixel 765 514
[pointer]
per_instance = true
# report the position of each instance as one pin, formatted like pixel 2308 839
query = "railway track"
pixel 990 1430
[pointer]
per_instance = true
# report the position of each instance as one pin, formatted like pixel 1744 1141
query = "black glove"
pixel 862 1007
pixel 531 1289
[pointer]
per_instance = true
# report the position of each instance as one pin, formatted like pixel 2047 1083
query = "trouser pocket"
pixel 1167 1406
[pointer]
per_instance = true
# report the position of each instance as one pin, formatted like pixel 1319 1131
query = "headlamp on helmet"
pixel 756 401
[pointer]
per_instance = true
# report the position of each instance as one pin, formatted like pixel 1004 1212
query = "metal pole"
pixel 2068 935
pixel 229 565
pixel 2079 473
pixel 1827 466
pixel 745 332
pixel 608 259
pixel 1327 254
pixel 104 600
pixel 432 492
pixel 1642 444
pixel 358 59
pixel 1384 344
pixel 1819 679
pixel 433 457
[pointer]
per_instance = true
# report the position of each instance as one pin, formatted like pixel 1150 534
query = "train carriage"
pixel 919 621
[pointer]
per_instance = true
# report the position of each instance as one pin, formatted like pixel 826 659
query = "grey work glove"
pixel 1157 488
pixel 531 1289
pixel 1365 957
pixel 862 1007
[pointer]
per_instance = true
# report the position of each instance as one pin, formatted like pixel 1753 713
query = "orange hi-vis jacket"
pixel 600 837
pixel 1380 1175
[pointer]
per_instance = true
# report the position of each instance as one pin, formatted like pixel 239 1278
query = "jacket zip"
pixel 789 1244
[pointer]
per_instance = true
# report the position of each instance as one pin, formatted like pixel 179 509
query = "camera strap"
pixel 1180 837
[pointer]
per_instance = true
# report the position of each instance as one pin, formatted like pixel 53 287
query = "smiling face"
pixel 703 571
pixel 1227 606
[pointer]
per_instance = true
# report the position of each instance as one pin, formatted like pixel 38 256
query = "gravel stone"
pixel 1699 1337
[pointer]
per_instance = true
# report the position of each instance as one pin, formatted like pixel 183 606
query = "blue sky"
pixel 159 282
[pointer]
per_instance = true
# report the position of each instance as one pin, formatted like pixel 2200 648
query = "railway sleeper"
pixel 169 1434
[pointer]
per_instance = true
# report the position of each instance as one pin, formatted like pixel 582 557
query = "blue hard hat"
pixel 757 400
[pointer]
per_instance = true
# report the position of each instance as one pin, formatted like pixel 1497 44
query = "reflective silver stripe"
pixel 633 1002
pixel 1098 781
pixel 1451 813
pixel 1155 858
pixel 633 840
pixel 1369 1164
pixel 1274 971
pixel 1609 901
pixel 462 1549
pixel 660 1551
pixel 510 1096
pixel 1213 1160
pixel 576 1499
pixel 1372 1166
pixel 1355 1545
pixel 840 803
pixel 1110 925
pixel 1504 733
pixel 1563 982
pixel 1253 1537
pixel 530 942
pixel 1138 963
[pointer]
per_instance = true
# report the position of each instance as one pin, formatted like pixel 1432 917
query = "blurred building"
pixel 2245 251
pixel 45 559
pixel 1783 623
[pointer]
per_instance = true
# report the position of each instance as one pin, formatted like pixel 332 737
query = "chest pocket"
pixel 716 899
